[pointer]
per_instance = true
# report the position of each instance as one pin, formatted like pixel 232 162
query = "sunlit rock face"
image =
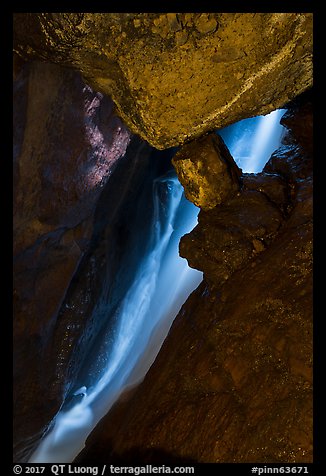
pixel 67 142
pixel 63 152
pixel 174 76
pixel 233 380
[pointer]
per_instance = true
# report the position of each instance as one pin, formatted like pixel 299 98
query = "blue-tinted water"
pixel 252 141
pixel 162 284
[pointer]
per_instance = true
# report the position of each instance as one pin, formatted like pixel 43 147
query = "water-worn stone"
pixel 175 76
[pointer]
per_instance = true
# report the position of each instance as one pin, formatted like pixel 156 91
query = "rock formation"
pixel 207 171
pixel 233 380
pixel 67 141
pixel 174 76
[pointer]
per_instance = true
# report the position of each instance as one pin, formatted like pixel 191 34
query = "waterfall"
pixel 252 141
pixel 161 285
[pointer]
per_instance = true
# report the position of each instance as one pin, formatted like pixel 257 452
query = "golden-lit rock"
pixel 174 76
pixel 207 171
pixel 205 23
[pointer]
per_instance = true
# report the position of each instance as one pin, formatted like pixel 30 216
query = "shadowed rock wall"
pixel 67 141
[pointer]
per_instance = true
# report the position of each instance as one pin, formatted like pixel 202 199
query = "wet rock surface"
pixel 67 141
pixel 233 380
pixel 175 76
pixel 228 236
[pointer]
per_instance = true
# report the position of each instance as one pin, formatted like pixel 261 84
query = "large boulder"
pixel 174 76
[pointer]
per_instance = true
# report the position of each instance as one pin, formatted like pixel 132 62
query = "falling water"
pixel 162 284
pixel 252 141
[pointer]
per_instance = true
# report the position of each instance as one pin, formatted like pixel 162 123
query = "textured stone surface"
pixel 231 234
pixel 233 380
pixel 207 171
pixel 67 141
pixel 175 76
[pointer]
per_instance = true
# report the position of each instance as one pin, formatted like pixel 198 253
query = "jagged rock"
pixel 175 76
pixel 293 160
pixel 207 171
pixel 233 380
